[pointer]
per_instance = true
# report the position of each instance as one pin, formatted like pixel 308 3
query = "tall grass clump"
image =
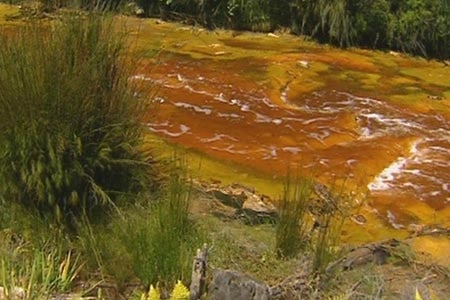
pixel 164 238
pixel 293 226
pixel 325 245
pixel 27 272
pixel 69 126
pixel 332 209
pixel 153 239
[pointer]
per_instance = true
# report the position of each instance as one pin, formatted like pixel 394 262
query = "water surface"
pixel 378 121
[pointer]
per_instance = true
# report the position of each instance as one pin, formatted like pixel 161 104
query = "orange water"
pixel 277 103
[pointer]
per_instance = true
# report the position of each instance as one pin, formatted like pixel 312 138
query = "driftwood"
pixel 198 277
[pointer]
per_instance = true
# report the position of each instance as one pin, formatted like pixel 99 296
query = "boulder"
pixel 231 285
pixel 229 196
pixel 258 209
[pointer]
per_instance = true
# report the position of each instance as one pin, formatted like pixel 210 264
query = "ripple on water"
pixel 244 119
pixel 154 127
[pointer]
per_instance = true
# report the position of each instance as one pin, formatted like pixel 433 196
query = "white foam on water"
pixel 221 98
pixel 180 78
pixel 183 129
pixel 350 162
pixel 293 150
pixel 277 121
pixel 384 179
pixel 229 116
pixel 262 118
pixel 271 153
pixel 284 95
pixel 306 122
pixel 392 220
pixel 204 110
pixel 245 107
pixel 218 137
pixel 192 90
pixel 141 77
pixel 268 102
pixel 230 149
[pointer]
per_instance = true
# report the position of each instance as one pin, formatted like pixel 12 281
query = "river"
pixel 377 122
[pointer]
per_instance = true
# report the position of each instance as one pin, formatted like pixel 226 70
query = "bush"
pixel 69 126
pixel 422 27
pixel 373 23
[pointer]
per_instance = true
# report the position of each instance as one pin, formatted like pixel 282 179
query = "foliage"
pixel 69 126
pixel 164 241
pixel 36 272
pixel 161 246
pixel 326 242
pixel 180 292
pixel 153 294
pixel 292 228
pixel 414 26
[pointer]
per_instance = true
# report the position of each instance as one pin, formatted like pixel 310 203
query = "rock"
pixel 16 293
pixel 230 285
pixel 139 12
pixel 133 8
pixel 258 209
pixel 303 64
pixel 249 189
pixel 358 219
pixel 254 208
pixel 376 253
pixel 220 53
pixel 393 53
pixel 272 35
pixel 433 97
pixel 222 211
pixel 214 46
pixel 228 196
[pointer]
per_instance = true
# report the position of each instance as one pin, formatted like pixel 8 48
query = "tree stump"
pixel 198 277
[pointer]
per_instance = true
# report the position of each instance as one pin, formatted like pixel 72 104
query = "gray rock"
pixel 230 197
pixel 259 209
pixel 231 285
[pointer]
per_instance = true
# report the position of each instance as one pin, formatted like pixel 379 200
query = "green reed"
pixel 293 225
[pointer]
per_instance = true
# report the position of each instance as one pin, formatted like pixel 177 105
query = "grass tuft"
pixel 154 239
pixel 69 125
pixel 293 226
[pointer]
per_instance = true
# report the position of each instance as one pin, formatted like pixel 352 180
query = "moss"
pixel 7 10
pixel 210 169
pixel 435 74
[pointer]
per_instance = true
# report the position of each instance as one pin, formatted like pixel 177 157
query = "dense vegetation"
pixel 415 26
pixel 75 176
pixel 419 27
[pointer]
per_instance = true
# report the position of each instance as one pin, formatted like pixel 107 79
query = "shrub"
pixel 422 27
pixel 373 22
pixel 69 126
